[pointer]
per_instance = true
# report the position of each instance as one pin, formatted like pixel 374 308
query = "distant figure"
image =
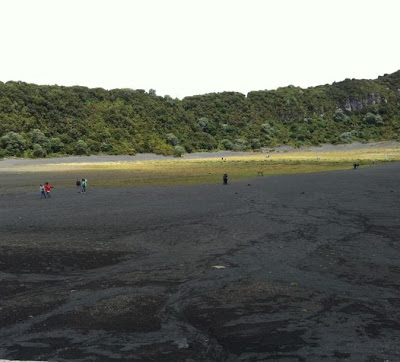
pixel 78 186
pixel 47 188
pixel 225 178
pixel 42 192
pixel 83 184
pixel 356 165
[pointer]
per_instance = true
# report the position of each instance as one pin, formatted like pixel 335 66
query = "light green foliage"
pixel 56 144
pixel 38 137
pixel 178 151
pixel 340 116
pixel 240 144
pixel 39 151
pixel 13 144
pixel 266 128
pixel 347 137
pixel 226 144
pixel 372 118
pixel 172 139
pixel 81 148
pixel 206 125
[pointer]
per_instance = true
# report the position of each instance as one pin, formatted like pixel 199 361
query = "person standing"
pixel 78 186
pixel 83 184
pixel 42 193
pixel 47 188
pixel 225 178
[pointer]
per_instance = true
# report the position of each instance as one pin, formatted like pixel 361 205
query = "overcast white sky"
pixel 187 47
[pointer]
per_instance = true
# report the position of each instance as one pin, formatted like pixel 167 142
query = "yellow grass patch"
pixel 206 170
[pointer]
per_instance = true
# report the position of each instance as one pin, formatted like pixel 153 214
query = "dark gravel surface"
pixel 282 268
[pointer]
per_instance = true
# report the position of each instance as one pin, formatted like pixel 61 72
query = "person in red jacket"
pixel 47 188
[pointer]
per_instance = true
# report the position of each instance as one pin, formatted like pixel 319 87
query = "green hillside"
pixel 40 121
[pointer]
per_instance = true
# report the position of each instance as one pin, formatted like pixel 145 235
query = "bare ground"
pixel 283 268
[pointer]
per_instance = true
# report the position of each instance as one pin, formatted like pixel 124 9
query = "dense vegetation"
pixel 40 121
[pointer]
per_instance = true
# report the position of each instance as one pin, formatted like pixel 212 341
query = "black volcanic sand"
pixel 281 268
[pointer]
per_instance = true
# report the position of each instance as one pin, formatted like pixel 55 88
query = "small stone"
pixel 182 343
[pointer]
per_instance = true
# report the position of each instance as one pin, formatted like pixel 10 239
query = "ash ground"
pixel 308 270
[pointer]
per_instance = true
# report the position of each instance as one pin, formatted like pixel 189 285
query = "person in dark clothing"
pixel 225 178
pixel 78 186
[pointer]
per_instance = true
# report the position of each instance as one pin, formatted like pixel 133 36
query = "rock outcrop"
pixel 357 104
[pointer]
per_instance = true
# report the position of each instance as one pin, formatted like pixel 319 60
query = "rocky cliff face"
pixel 357 104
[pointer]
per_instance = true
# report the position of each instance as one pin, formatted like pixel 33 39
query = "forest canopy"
pixel 46 121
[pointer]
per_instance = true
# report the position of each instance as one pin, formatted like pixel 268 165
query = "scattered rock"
pixel 182 343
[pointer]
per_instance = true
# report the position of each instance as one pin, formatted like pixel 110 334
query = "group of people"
pixel 45 190
pixel 81 185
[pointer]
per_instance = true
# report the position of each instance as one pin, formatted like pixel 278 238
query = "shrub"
pixel 39 151
pixel 226 144
pixel 372 118
pixel 172 139
pixel 81 148
pixel 178 151
pixel 163 149
pixel 13 144
pixel 266 128
pixel 255 144
pixel 240 144
pixel 56 144
pixel 347 137
pixel 204 141
pixel 106 147
pixel 339 116
pixel 206 125
pixel 38 137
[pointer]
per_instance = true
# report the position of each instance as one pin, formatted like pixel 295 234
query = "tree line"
pixel 47 121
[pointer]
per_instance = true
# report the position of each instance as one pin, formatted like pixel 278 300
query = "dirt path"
pixel 288 268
